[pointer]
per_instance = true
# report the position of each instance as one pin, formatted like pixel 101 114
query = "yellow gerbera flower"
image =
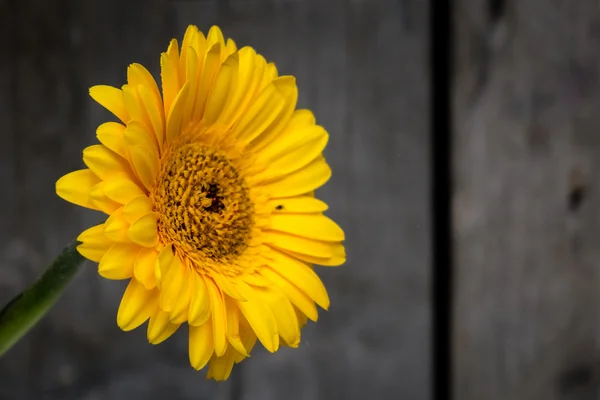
pixel 209 191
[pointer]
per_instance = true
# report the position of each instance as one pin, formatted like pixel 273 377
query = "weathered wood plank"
pixel 361 66
pixel 526 201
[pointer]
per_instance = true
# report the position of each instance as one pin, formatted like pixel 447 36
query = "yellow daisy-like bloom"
pixel 209 188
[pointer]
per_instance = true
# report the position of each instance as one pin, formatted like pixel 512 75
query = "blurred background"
pixel 526 226
pixel 361 66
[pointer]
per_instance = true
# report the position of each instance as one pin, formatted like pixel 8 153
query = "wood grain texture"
pixel 527 226
pixel 360 65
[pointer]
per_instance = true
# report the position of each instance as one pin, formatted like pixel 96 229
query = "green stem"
pixel 29 306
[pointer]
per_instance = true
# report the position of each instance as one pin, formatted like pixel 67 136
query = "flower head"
pixel 209 191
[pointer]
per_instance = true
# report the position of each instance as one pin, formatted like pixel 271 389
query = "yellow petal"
pixel 199 302
pixel 298 244
pixel 217 307
pixel 261 319
pixel 181 304
pixel 143 154
pixel 255 279
pixel 201 345
pixel 144 230
pixel 286 86
pixel 220 367
pixel 117 262
pixel 301 275
pixel 160 328
pixel 104 162
pixel 300 204
pixel 137 305
pixel 170 75
pixel 175 114
pixel 230 47
pixel 172 281
pixel 337 258
pixel 221 90
pixel 145 163
pixel 135 106
pixel 101 201
pixel 200 45
pixel 94 243
pixel 247 335
pixel 233 326
pixel 110 98
pixel 262 112
pixel 137 133
pixel 302 118
pixel 138 75
pixel 110 134
pixel 244 87
pixel 302 320
pixel 215 36
pixel 75 187
pixel 116 226
pixel 165 260
pixel 310 226
pixel 122 189
pixel 285 316
pixel 295 295
pixel 173 50
pixel 189 37
pixel 136 208
pixel 192 78
pixel 155 114
pixel 227 286
pixel 212 63
pixel 291 139
pixel 269 76
pixel 143 267
pixel 293 160
pixel 309 178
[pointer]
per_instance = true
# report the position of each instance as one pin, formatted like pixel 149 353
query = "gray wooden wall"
pixel 526 222
pixel 361 66
pixel 527 200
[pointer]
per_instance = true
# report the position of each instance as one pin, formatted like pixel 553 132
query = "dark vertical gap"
pixel 441 195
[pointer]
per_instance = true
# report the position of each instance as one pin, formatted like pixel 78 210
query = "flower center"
pixel 204 205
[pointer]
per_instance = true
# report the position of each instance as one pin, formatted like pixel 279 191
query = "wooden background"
pixel 526 201
pixel 361 66
pixel 526 221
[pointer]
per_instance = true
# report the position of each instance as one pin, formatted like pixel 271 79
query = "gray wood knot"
pixel 496 10
pixel 577 190
pixel 577 381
